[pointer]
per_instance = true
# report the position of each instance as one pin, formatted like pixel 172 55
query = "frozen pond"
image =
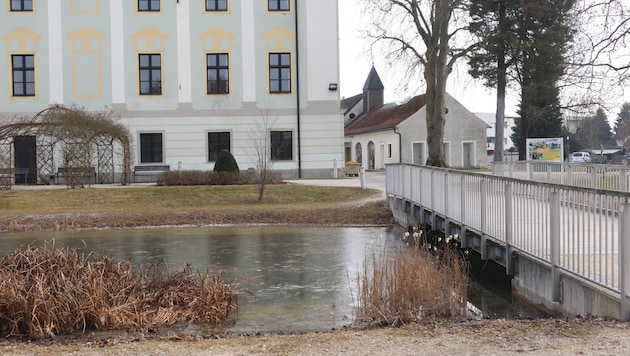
pixel 296 278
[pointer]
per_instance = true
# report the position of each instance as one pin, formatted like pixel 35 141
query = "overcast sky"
pixel 356 61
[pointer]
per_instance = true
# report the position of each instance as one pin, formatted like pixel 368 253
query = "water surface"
pixel 295 278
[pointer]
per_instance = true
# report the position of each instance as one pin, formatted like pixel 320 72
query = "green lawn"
pixel 174 198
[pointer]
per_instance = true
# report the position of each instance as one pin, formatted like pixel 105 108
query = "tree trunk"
pixel 436 73
pixel 499 124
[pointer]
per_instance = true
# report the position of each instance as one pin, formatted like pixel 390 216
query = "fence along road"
pixel 579 232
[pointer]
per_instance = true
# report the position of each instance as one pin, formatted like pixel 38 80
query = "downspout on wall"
pixel 297 90
pixel 399 143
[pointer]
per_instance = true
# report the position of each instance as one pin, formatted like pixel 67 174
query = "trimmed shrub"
pixel 225 169
pixel 188 177
pixel 250 177
pixel 226 162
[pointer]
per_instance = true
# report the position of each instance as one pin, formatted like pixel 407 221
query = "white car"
pixel 581 157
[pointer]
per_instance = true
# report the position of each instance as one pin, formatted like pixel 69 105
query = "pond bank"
pixel 507 337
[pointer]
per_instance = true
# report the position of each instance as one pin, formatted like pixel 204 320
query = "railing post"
pixel 554 240
pixel 447 220
pixel 549 169
pixel 624 260
pixel 411 185
pixel 570 175
pixel 623 176
pixel 420 173
pixel 509 262
pixel 462 205
pixel 484 193
pixel 433 199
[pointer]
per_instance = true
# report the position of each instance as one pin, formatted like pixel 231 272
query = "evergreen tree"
pixel 622 126
pixel 622 117
pixel 523 41
pixel 543 32
pixel 549 124
pixel 493 23
pixel 594 132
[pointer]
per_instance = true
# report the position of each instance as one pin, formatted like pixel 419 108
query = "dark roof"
pixel 373 81
pixel 349 103
pixel 385 117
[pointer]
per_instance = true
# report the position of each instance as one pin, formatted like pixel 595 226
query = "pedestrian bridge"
pixel 567 246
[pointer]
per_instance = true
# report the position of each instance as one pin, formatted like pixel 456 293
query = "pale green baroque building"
pixel 188 77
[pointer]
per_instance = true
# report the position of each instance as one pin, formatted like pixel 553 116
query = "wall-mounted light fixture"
pixel 332 86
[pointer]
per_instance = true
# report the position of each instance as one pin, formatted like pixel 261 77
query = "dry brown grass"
pixel 410 284
pixel 71 209
pixel 46 292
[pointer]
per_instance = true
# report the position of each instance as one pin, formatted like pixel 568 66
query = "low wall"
pixel 533 282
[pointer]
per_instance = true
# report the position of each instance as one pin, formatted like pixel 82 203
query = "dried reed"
pixel 47 292
pixel 409 284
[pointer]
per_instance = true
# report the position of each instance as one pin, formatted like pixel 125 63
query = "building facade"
pixel 187 77
pixel 509 146
pixel 377 134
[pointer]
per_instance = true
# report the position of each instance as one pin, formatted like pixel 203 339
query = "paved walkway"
pixel 373 180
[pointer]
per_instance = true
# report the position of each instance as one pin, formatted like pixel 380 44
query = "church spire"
pixel 372 91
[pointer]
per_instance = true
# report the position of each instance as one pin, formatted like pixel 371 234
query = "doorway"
pixel 25 159
pixel 468 154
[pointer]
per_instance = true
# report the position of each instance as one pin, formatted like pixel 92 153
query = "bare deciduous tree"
pixel 260 140
pixel 424 35
pixel 598 62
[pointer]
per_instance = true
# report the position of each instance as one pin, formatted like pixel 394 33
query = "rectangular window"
pixel 150 68
pixel 23 69
pixel 21 5
pixel 151 150
pixel 218 73
pixel 281 145
pixel 148 5
pixel 279 72
pixel 216 5
pixel 217 141
pixel 278 5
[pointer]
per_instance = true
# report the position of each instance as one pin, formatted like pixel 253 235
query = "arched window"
pixel 371 155
pixel 358 153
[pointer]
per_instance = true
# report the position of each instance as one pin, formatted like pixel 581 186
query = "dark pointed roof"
pixel 373 81
pixel 385 117
pixel 348 103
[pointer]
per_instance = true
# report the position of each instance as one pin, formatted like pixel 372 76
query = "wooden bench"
pixel 13 173
pixel 21 172
pixel 73 175
pixel 151 171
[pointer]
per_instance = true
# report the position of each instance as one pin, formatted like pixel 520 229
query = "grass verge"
pixel 189 205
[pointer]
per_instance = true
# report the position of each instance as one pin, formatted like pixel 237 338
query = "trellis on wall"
pixel 105 157
pixel 74 133
pixel 6 170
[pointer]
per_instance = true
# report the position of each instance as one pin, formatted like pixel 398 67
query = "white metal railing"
pixel 579 230
pixel 586 175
